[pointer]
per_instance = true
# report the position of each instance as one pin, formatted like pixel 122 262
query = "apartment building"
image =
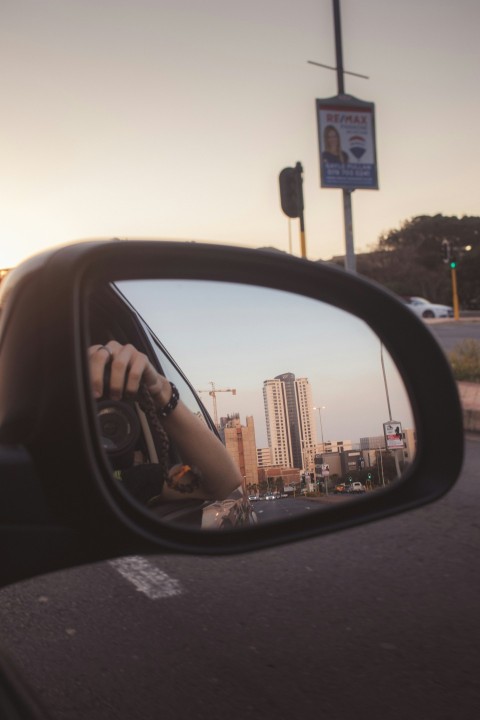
pixel 290 421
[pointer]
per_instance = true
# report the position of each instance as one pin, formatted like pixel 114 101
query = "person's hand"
pixel 128 368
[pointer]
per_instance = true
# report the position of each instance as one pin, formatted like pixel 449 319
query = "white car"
pixel 425 309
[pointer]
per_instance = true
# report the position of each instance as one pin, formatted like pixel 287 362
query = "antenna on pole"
pixel 330 67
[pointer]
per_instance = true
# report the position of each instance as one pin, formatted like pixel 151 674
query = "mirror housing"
pixel 46 406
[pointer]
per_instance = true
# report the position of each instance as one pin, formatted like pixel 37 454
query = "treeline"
pixel 409 260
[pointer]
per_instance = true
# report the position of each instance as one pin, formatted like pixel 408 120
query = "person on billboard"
pixel 333 152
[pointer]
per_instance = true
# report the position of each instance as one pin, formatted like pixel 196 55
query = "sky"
pixel 173 118
pixel 254 334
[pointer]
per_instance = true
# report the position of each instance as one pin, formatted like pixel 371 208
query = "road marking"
pixel 146 577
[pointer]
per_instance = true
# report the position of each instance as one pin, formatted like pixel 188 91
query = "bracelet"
pixel 172 403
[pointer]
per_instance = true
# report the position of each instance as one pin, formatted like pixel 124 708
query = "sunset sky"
pixel 173 118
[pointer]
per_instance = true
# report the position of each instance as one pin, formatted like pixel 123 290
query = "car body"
pixel 427 310
pixel 341 489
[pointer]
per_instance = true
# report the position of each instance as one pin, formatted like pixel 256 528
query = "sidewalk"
pixel 470 398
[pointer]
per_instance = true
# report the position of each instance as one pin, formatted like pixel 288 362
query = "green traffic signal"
pixel 453 264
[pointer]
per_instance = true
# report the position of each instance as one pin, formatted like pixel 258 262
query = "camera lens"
pixel 119 427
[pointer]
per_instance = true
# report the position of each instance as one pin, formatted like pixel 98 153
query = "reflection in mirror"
pixel 309 406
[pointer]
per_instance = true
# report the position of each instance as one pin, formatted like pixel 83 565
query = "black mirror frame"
pixel 117 526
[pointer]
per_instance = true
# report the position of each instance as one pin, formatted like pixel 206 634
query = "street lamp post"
pixel 320 408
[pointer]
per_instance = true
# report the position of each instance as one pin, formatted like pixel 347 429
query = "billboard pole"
pixel 346 119
pixel 350 262
pixel 338 46
pixel 385 382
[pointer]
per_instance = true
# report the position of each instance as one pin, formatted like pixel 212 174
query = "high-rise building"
pixel 290 421
pixel 264 457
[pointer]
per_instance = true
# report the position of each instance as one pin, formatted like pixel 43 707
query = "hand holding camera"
pixel 120 376
pixel 128 368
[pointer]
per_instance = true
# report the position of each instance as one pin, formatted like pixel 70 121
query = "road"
pixel 274 510
pixel 450 333
pixel 380 621
pixel 271 510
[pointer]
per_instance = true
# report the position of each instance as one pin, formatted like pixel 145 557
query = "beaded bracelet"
pixel 172 403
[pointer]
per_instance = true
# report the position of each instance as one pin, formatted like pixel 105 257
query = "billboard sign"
pixel 393 435
pixel 346 138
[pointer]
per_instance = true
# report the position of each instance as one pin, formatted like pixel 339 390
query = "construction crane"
pixel 213 394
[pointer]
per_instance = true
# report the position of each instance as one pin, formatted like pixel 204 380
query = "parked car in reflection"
pixel 425 309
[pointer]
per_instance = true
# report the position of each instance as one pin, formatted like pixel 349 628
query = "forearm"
pixel 200 447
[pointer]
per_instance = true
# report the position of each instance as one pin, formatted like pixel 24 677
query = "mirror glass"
pixel 309 406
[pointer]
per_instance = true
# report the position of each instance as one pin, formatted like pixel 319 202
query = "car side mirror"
pixel 332 356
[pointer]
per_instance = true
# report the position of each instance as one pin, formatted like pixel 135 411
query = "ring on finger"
pixel 109 351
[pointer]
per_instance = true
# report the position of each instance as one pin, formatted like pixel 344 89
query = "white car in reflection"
pixel 425 309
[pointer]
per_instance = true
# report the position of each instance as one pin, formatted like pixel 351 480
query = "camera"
pixel 119 431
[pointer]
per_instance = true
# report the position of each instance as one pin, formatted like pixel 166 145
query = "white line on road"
pixel 146 577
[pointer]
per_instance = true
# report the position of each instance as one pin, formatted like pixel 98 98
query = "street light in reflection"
pixel 324 475
pixel 320 408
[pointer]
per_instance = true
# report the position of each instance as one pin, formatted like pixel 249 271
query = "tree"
pixel 409 260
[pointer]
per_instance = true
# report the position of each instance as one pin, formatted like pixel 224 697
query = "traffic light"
pixel 291 192
pixel 446 251
pixel 453 261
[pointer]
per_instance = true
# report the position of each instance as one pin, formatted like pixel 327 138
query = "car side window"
pixel 172 373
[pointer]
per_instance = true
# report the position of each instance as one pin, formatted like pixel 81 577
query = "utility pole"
pixel 385 382
pixel 360 109
pixel 350 261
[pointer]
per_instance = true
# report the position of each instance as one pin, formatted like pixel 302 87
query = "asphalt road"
pixel 450 333
pixel 380 621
